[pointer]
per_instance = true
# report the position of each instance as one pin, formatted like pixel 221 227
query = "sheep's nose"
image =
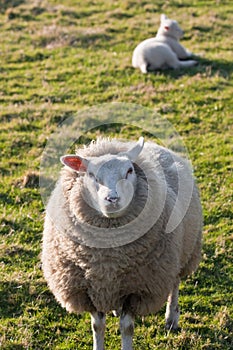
pixel 112 199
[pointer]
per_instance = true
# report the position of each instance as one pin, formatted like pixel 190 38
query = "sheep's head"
pixel 109 180
pixel 170 27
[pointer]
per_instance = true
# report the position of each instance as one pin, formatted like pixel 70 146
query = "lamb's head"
pixel 170 27
pixel 109 180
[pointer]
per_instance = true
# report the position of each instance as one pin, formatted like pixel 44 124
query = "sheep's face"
pixel 170 28
pixel 110 183
pixel 109 180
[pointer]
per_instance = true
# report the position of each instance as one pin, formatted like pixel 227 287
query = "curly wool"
pixel 141 272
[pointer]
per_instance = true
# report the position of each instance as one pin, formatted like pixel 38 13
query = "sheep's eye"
pixel 92 176
pixel 130 171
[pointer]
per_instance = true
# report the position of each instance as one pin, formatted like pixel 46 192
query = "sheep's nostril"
pixel 112 199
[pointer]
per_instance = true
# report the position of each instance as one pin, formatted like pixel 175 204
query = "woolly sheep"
pixel 162 51
pixel 107 243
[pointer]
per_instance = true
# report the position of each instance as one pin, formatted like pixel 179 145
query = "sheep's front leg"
pixel 127 331
pixel 98 328
pixel 172 311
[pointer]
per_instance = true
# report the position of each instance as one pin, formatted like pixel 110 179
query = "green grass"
pixel 59 57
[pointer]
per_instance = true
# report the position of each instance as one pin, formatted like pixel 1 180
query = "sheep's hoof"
pixel 172 326
pixel 117 313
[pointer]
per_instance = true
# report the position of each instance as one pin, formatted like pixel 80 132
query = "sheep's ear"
pixel 74 162
pixel 163 17
pixel 135 151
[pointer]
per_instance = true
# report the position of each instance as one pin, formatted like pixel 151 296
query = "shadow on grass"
pixel 79 14
pixel 18 298
pixel 5 197
pixel 223 68
pixel 6 4
pixel 81 40
pixel 95 41
pixel 213 271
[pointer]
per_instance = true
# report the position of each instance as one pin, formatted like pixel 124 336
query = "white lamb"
pixel 107 241
pixel 162 51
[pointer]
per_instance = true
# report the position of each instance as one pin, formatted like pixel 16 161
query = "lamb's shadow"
pixel 213 67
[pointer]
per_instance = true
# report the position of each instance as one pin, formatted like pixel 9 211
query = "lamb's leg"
pixel 173 62
pixel 127 330
pixel 189 63
pixel 98 329
pixel 172 311
pixel 143 68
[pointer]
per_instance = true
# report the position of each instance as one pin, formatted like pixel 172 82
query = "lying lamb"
pixel 162 51
pixel 107 244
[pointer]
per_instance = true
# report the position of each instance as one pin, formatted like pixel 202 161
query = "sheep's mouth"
pixel 113 210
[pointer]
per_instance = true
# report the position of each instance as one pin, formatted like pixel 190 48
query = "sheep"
pixel 164 50
pixel 122 227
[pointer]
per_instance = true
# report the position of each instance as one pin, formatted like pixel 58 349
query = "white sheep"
pixel 123 226
pixel 162 51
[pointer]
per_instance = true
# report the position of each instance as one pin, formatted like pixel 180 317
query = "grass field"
pixel 59 57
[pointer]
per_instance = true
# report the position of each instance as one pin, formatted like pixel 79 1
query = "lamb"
pixel 164 50
pixel 122 227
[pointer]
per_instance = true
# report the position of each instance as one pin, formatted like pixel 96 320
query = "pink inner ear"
pixel 74 162
pixel 166 27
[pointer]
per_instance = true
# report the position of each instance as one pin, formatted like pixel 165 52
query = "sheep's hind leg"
pixel 127 331
pixel 143 68
pixel 98 328
pixel 172 311
pixel 189 63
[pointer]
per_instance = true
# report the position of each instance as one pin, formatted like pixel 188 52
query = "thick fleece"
pixel 140 273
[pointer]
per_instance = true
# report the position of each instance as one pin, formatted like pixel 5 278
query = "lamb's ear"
pixel 134 152
pixel 163 17
pixel 75 162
